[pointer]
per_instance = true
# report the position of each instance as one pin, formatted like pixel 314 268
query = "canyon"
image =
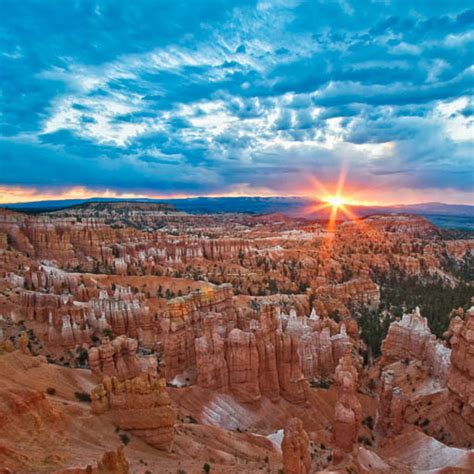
pixel 136 338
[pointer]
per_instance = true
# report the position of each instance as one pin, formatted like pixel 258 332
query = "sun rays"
pixel 336 201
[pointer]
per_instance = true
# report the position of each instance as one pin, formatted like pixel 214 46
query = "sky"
pixel 206 97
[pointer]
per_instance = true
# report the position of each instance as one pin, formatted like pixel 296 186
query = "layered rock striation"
pixel 392 405
pixel 348 410
pixel 140 405
pixel 412 338
pixel 263 361
pixel 117 358
pixel 295 448
pixel 112 462
pixel 182 323
pixel 461 371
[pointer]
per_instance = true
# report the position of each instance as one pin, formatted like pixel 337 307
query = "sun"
pixel 335 201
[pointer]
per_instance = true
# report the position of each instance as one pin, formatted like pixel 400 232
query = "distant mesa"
pixel 122 205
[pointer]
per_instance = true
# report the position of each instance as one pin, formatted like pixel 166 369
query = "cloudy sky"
pixel 210 97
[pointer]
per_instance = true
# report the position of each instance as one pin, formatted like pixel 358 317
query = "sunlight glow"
pixel 335 201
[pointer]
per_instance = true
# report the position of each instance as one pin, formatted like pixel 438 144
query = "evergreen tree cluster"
pixel 435 299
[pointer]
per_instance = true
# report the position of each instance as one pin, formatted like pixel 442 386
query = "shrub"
pixel 369 422
pixel 425 422
pixel 124 438
pixel 82 356
pixel 206 468
pixel 321 383
pixel 51 391
pixel 365 440
pixel 82 396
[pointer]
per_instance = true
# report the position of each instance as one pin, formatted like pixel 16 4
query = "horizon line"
pixel 131 197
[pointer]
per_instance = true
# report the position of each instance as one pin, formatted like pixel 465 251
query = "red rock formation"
pixel 266 346
pixel 412 338
pixel 326 359
pixel 348 410
pixel 224 249
pixel 265 361
pixel 406 224
pixel 320 352
pixel 392 405
pixel 182 324
pixel 123 313
pixel 22 342
pixel 243 364
pixel 309 354
pixel 140 405
pixel 27 417
pixel 461 371
pixel 112 462
pixel 397 411
pixel 293 386
pixel 295 448
pixel 210 356
pixel 362 291
pixel 179 348
pixel 115 358
pixel 40 278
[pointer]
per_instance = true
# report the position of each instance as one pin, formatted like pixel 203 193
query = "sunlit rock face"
pixel 412 338
pixel 295 448
pixel 461 372
pixel 140 405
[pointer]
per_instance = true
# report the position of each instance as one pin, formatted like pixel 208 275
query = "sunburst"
pixel 337 201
